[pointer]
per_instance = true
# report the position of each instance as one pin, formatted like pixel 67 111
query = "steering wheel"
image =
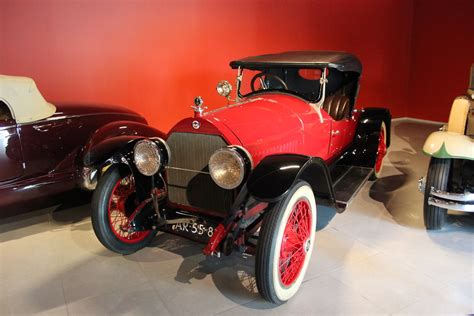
pixel 262 81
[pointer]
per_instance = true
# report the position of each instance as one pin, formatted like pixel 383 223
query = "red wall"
pixel 155 56
pixel 442 54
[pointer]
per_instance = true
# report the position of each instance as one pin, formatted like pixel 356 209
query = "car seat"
pixel 337 106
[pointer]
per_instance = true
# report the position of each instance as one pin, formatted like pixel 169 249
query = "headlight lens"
pixel 147 157
pixel 227 168
pixel 224 88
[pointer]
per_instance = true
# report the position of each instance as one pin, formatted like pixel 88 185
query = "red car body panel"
pixel 206 126
pixel 276 123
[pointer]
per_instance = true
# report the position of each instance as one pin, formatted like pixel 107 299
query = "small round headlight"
pixel 147 157
pixel 224 88
pixel 227 168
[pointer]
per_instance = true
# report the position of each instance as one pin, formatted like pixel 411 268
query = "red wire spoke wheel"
pixel 121 201
pixel 381 151
pixel 295 243
pixel 114 205
pixel 285 244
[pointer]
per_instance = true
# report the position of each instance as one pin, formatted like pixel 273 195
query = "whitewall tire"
pixel 286 244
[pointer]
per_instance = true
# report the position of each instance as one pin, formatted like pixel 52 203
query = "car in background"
pixel 47 149
pixel 449 184
pixel 247 176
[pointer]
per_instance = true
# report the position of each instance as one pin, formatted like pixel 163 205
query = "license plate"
pixel 197 229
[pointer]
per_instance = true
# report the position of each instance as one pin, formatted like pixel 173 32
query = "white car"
pixel 449 183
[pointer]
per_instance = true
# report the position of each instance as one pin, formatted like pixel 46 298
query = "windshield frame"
pixel 240 75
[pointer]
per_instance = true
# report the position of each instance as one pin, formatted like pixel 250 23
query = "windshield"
pixel 302 82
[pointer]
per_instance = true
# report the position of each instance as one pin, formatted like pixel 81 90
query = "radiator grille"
pixel 189 182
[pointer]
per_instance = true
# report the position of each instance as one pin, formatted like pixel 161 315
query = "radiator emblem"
pixel 196 124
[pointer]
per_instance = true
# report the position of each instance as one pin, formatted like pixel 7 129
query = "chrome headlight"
pixel 224 88
pixel 146 156
pixel 229 166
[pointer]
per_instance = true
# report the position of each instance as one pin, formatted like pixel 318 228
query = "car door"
pixel 338 136
pixel 342 134
pixel 350 128
pixel 11 157
pixel 43 145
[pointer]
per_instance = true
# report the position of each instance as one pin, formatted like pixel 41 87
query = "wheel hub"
pixel 307 246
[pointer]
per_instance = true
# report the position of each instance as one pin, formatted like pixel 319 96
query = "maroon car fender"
pixel 111 138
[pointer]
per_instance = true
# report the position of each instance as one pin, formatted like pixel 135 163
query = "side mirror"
pixel 224 88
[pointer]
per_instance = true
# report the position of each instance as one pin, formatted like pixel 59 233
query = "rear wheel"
pixel 286 244
pixel 114 203
pixel 437 177
pixel 381 152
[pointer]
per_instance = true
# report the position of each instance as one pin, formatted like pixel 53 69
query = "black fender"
pixel 123 160
pixel 273 177
pixel 363 150
pixel 112 138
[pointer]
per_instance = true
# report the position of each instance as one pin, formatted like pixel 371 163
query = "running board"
pixel 347 181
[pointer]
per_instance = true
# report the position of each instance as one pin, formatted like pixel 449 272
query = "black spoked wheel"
pixel 286 244
pixel 114 203
pixel 438 176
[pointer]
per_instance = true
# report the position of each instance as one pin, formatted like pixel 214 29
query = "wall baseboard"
pixel 412 119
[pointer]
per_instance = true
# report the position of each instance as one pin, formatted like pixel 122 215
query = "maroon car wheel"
pixel 114 204
pixel 285 244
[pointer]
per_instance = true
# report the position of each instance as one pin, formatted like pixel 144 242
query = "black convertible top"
pixel 341 61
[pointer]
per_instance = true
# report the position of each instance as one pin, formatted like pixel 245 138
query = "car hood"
pixel 70 109
pixel 271 120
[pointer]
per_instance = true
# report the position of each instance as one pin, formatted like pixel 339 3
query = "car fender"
pixel 112 137
pixel 123 160
pixel 273 177
pixel 364 148
pixel 444 144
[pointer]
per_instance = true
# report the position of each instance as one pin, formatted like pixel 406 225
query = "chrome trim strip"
pixel 450 205
pixel 166 145
pixel 88 177
pixel 184 169
pixel 66 116
pixel 246 152
pixel 422 184
pixel 461 197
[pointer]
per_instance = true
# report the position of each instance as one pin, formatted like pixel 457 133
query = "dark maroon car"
pixel 45 148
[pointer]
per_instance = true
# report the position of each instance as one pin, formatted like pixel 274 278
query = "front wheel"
pixel 113 204
pixel 437 177
pixel 285 244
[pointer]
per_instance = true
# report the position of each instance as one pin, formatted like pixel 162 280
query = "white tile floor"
pixel 376 258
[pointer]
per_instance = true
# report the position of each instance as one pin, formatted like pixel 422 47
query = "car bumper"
pixel 463 202
pixel 88 178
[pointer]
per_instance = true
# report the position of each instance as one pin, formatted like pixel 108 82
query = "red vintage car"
pixel 47 149
pixel 247 177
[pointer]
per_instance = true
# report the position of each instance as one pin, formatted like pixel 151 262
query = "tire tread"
pixel 266 247
pixel 99 218
pixel 438 177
